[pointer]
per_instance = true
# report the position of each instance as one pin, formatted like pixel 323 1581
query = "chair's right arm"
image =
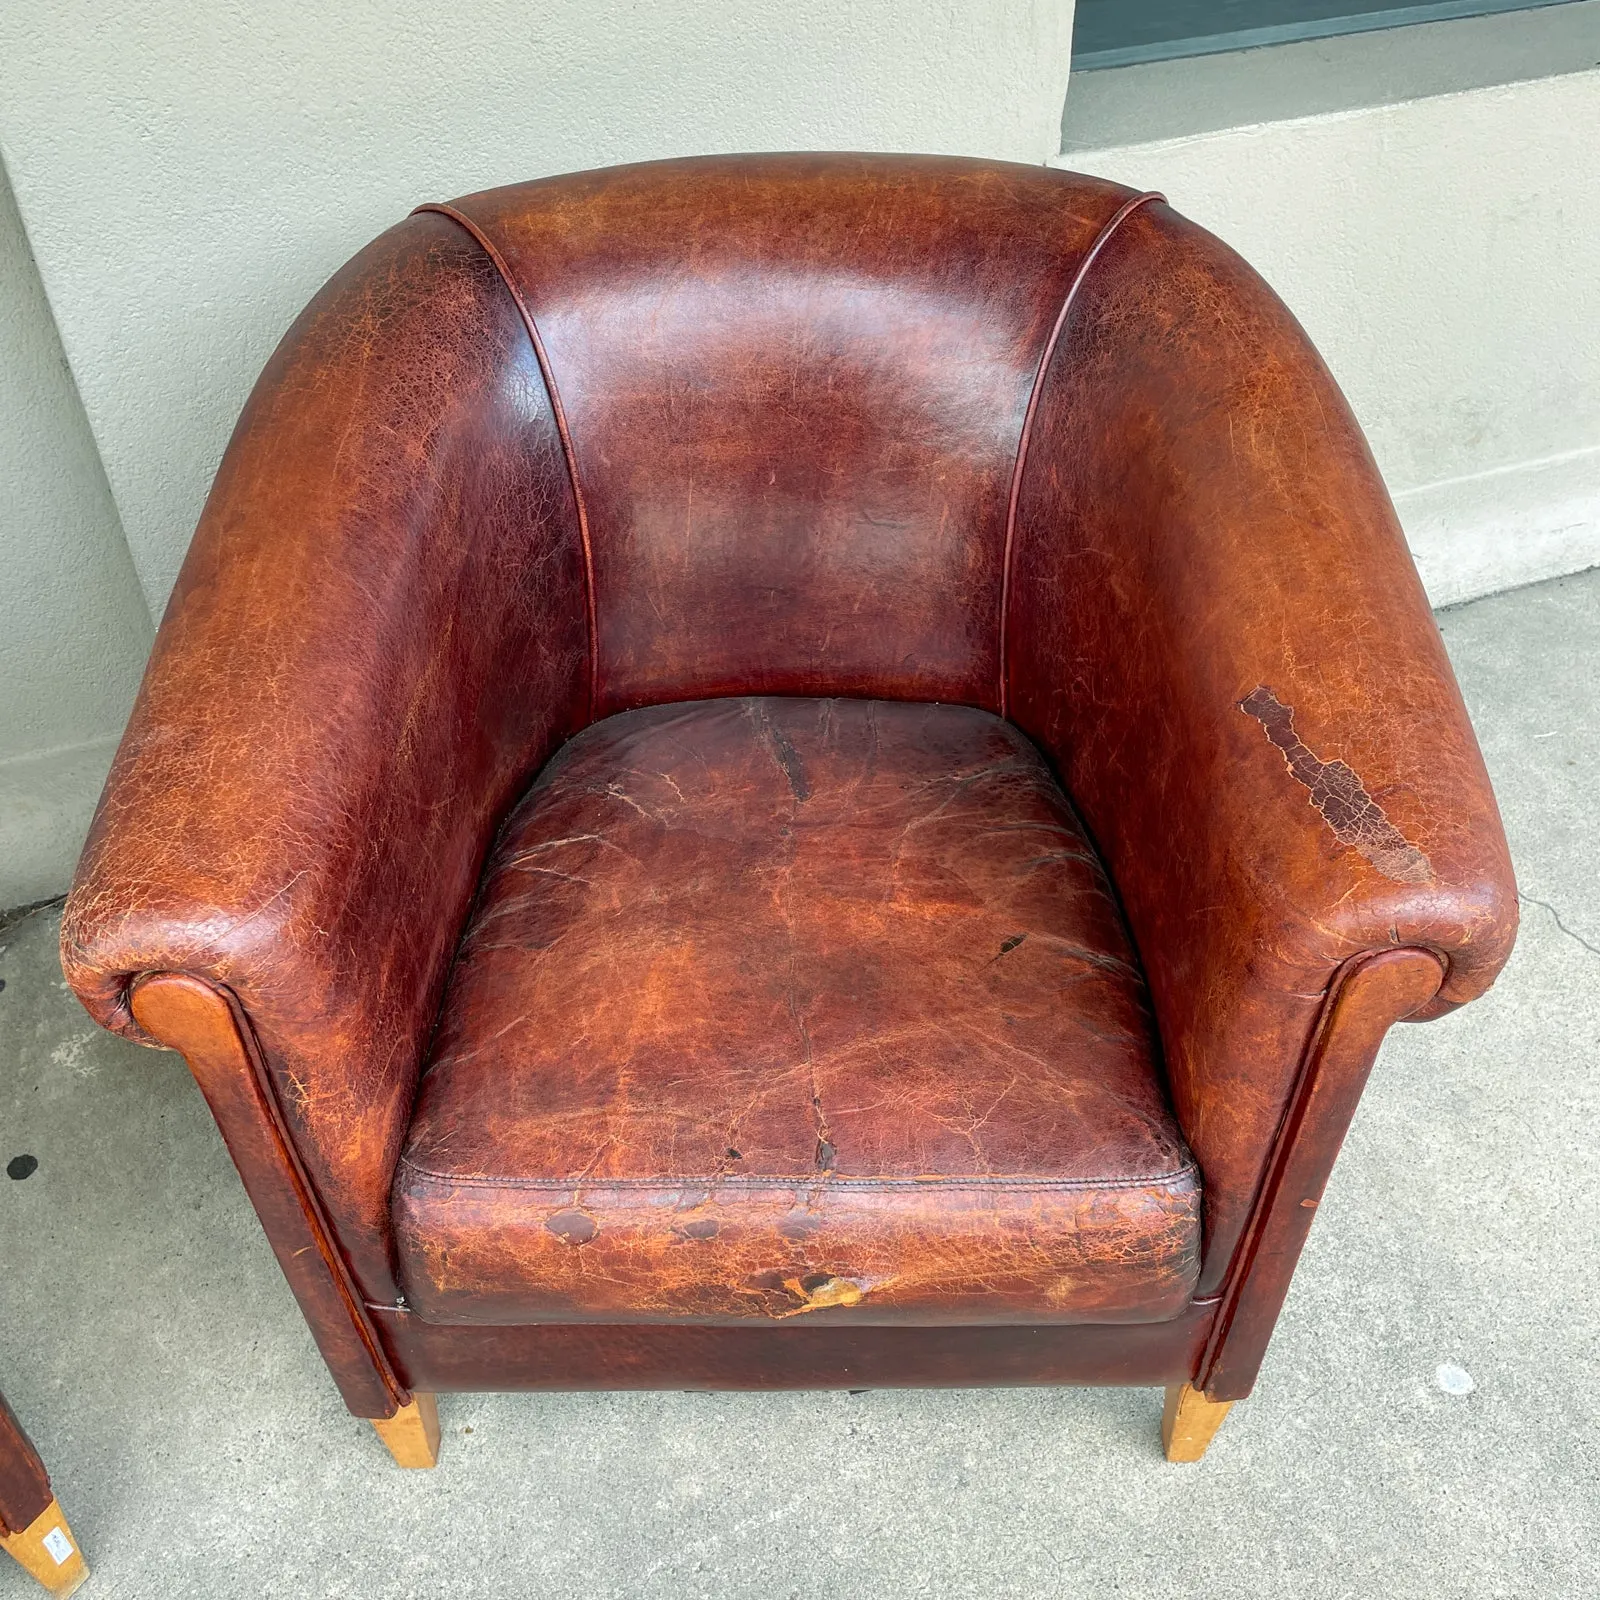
pixel 378 636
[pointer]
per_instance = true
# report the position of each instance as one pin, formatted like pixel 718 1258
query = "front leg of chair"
pixel 1189 1422
pixel 207 1025
pixel 411 1435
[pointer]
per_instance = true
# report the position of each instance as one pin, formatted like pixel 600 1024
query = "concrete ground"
pixel 149 1343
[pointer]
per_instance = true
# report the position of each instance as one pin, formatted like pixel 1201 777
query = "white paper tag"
pixel 59 1546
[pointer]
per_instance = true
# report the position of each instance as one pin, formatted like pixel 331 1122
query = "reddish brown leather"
pixel 792 1355
pixel 795 386
pixel 769 1001
pixel 1369 995
pixel 1200 520
pixel 24 1484
pixel 376 638
pixel 792 391
pixel 208 1026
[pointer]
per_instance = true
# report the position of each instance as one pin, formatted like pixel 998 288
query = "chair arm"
pixel 1216 631
pixel 377 637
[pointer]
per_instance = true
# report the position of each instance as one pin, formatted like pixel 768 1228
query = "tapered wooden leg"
pixel 46 1550
pixel 412 1433
pixel 1188 1422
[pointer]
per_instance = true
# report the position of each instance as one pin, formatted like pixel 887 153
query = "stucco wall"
pixel 1444 255
pixel 73 625
pixel 189 172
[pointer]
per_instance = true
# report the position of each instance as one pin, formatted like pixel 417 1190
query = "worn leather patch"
pixel 1339 795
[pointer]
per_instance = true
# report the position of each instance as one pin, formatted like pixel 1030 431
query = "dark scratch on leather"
pixel 1339 795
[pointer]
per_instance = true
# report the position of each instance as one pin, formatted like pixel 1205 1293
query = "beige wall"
pixel 1444 255
pixel 190 172
pixel 73 624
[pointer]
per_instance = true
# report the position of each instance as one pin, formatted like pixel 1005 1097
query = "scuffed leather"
pixel 794 388
pixel 1202 533
pixel 782 1007
pixel 376 638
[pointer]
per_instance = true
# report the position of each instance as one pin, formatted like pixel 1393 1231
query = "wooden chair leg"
pixel 412 1433
pixel 46 1550
pixel 1188 1422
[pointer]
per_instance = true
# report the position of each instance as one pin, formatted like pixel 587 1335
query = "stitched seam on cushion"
pixel 746 1181
pixel 1101 239
pixel 498 261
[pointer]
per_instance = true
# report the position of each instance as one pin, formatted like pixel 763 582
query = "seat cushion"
pixel 788 1007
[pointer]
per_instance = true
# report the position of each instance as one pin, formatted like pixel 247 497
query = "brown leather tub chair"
pixel 791 771
pixel 32 1529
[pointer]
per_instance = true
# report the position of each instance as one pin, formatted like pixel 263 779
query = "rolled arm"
pixel 1218 634
pixel 377 636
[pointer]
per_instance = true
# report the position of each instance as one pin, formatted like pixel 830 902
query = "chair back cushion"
pixel 793 391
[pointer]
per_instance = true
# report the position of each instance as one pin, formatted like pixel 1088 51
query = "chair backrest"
pixel 792 392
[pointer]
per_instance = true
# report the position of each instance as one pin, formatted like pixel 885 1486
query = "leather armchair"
pixel 791 771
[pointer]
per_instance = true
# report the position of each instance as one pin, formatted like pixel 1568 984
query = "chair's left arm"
pixel 1216 630
pixel 377 637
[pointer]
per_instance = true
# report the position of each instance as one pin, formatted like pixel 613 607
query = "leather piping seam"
pixel 1234 1282
pixel 741 1180
pixel 498 261
pixel 1101 239
pixel 316 1211
pixel 1255 1217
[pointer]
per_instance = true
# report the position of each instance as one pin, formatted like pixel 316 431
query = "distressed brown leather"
pixel 881 428
pixel 794 386
pixel 24 1483
pixel 377 637
pixel 778 1007
pixel 1202 534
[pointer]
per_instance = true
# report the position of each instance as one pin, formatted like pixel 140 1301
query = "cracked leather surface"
pixel 1200 517
pixel 779 1007
pixel 376 639
pixel 795 388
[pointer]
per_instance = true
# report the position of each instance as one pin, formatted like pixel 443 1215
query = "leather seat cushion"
pixel 781 1007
